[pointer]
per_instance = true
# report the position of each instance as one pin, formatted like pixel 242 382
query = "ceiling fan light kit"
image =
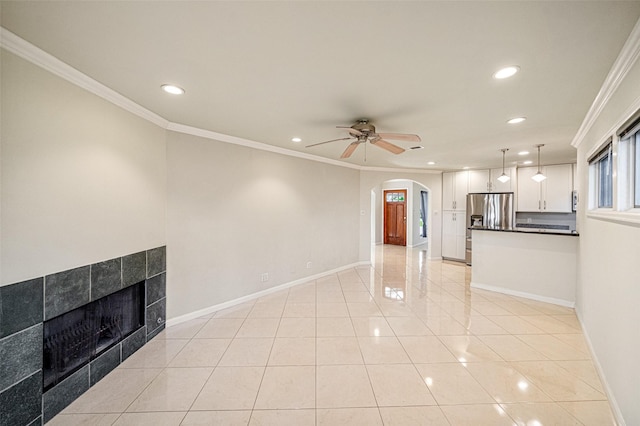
pixel 363 131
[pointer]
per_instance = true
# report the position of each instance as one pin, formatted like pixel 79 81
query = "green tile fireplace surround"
pixel 24 307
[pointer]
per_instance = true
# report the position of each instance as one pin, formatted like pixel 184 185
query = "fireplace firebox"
pixel 73 339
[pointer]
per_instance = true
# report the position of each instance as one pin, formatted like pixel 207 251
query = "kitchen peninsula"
pixel 538 264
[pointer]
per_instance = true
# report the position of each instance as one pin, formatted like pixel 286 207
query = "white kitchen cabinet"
pixel 552 195
pixel 455 186
pixel 454 234
pixel 487 180
pixel 479 181
pixel 496 186
pixel 557 191
pixel 528 190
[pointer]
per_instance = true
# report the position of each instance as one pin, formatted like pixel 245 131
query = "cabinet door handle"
pixel 539 208
pixel 545 204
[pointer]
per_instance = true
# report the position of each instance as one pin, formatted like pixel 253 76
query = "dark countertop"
pixel 528 230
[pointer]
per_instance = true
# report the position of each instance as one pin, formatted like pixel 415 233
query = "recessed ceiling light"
pixel 431 163
pixel 465 167
pixel 528 162
pixel 174 90
pixel 516 120
pixel 506 72
pixel 296 140
pixel 523 153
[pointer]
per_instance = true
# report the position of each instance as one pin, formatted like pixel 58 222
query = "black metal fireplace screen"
pixel 73 339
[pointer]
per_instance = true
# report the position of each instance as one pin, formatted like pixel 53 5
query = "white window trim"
pixel 629 216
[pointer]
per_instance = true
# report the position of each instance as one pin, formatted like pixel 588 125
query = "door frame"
pixel 384 215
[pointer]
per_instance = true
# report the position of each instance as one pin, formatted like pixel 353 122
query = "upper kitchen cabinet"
pixel 552 195
pixel 487 180
pixel 479 181
pixel 509 186
pixel 557 193
pixel 455 186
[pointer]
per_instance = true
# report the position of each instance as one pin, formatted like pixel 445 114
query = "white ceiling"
pixel 269 71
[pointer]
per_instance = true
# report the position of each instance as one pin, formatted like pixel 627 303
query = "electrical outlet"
pixel 308 265
pixel 264 277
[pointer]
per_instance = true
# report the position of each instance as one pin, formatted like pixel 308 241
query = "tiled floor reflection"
pixel 405 342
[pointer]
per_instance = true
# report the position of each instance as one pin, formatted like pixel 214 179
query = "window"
pixel 601 169
pixel 395 197
pixel 629 159
pixel 614 175
pixel 424 202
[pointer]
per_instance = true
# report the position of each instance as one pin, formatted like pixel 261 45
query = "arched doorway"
pixel 417 209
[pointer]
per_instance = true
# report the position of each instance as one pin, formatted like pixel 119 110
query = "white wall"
pixel 609 271
pixel 82 180
pixel 373 181
pixel 235 213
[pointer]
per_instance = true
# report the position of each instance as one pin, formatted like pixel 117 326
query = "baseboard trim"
pixel 224 305
pixel 617 413
pixel 552 300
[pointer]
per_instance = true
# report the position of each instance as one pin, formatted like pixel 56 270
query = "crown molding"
pixel 625 60
pixel 39 57
pixel 48 62
pixel 220 137
pixel 208 134
pixel 399 170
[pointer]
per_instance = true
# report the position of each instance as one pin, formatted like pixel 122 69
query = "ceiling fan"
pixel 363 131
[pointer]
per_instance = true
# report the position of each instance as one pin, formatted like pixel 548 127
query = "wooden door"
pixel 395 217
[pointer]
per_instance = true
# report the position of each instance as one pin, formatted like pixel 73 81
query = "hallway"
pixel 404 342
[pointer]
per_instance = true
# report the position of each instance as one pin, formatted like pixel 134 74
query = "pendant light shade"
pixel 504 178
pixel 539 177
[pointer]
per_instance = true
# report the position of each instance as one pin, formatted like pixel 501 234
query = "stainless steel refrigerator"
pixel 493 210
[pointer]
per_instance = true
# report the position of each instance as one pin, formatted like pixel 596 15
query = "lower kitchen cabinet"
pixel 454 224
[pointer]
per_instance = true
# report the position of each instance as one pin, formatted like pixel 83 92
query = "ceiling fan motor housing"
pixel 363 126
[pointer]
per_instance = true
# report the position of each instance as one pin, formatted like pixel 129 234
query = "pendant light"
pixel 504 178
pixel 539 177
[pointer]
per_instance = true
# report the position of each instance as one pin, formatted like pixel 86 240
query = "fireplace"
pixel 77 337
pixel 60 334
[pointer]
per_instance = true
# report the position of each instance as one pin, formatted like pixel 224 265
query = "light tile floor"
pixel 405 342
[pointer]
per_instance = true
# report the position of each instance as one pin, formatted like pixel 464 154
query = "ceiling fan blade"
pixel 394 149
pixel 332 140
pixel 400 137
pixel 351 130
pixel 352 147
